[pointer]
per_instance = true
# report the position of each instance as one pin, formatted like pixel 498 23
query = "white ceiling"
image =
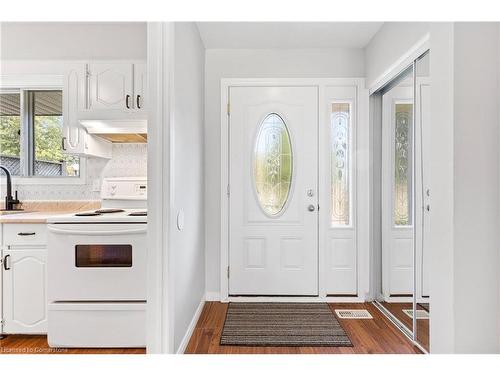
pixel 287 35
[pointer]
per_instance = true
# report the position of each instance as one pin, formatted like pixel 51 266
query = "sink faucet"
pixel 9 201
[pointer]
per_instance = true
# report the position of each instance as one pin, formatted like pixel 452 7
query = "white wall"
pixel 498 64
pixel 257 64
pixel 464 176
pixel 442 330
pixel 476 187
pixel 389 44
pixel 72 40
pixel 188 248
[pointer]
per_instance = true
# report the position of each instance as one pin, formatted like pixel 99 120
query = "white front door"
pixel 273 174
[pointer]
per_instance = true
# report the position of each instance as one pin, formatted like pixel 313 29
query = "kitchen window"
pixel 31 135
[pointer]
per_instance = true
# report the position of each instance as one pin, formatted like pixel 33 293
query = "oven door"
pixel 96 262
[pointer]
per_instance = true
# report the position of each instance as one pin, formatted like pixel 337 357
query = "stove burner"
pixel 108 210
pixel 138 213
pixel 88 214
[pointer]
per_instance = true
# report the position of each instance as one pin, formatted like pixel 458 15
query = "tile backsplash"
pixel 129 160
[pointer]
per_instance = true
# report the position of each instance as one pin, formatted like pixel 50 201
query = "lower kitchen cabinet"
pixel 24 291
pixel 24 279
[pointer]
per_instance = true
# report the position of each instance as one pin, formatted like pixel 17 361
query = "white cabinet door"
pixel 140 86
pixel 74 100
pixel 111 86
pixel 24 291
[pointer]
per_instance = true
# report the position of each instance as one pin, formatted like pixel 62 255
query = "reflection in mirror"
pixel 395 295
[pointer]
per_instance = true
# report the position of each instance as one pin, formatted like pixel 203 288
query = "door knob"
pixel 311 207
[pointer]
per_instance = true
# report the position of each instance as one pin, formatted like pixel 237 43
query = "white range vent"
pixel 353 314
pixel 421 314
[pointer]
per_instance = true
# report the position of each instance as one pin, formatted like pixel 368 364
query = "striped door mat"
pixel 282 324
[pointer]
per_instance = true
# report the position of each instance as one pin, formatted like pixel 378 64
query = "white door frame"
pixel 159 338
pixel 362 176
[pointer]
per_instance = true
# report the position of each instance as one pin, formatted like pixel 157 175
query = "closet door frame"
pixel 410 58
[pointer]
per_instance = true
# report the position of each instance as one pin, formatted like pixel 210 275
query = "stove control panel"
pixel 129 188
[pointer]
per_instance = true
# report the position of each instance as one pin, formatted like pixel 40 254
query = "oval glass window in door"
pixel 273 164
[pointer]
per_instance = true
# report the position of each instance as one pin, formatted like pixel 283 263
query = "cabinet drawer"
pixel 25 234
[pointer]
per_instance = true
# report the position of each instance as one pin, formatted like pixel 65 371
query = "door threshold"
pixel 274 295
pixel 327 299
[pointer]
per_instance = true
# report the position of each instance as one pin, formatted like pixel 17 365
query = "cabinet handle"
pixel 138 102
pixel 5 262
pixel 26 233
pixel 126 101
pixel 63 143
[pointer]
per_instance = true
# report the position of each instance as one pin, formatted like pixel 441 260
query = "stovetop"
pixel 104 215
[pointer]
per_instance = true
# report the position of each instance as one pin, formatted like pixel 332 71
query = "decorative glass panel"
pixel 340 163
pixel 273 164
pixel 402 163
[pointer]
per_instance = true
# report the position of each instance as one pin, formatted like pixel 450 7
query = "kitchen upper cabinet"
pixel 110 86
pixel 116 90
pixel 76 140
pixel 101 91
pixel 73 101
pixel 140 86
pixel 24 291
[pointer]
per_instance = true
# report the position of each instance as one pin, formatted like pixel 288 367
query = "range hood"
pixel 118 131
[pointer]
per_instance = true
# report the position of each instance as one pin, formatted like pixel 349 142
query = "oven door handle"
pixel 96 232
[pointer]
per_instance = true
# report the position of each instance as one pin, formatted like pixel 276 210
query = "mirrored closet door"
pixel 422 200
pixel 402 267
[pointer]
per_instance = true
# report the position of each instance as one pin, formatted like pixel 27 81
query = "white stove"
pixel 97 270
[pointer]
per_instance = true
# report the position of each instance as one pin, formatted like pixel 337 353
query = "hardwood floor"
pixel 396 308
pixel 37 344
pixel 377 335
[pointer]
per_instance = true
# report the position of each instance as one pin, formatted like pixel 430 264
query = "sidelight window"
pixel 340 163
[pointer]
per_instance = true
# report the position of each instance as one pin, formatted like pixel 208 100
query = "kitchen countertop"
pixel 29 217
pixel 37 212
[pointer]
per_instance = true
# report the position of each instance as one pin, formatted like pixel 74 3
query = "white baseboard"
pixel 212 296
pixel 185 340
